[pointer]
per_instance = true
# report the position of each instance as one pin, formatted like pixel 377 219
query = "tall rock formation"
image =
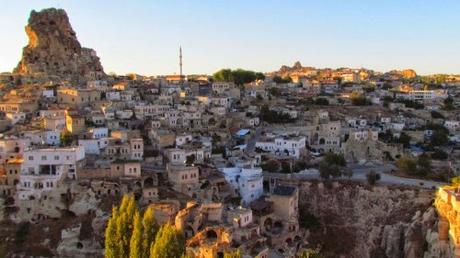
pixel 54 50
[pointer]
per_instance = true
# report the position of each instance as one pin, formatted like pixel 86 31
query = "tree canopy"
pixel 420 166
pixel 129 234
pixel 169 243
pixel 238 76
pixel 271 116
pixel 279 79
pixel 358 99
pixel 332 165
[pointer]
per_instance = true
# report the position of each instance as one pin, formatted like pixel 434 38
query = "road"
pixel 359 171
pixel 251 145
pixel 359 174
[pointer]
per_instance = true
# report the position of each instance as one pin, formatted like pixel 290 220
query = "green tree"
pixel 404 139
pixel 168 243
pixel 223 75
pixel 372 177
pixel 238 76
pixel 278 79
pixel 135 244
pixel 407 165
pixel 111 237
pixel 321 102
pixel 150 231
pixel 241 76
pixel 327 171
pixel 260 76
pixel 286 167
pixel 348 173
pixel 332 165
pixel 271 116
pixel 274 91
pixel 358 99
pixel 190 159
pixel 309 253
pixel 270 166
pixel 335 159
pixel 439 138
pixel 423 165
pixel 128 234
pixel 125 223
pixel 448 104
pixel 436 115
pixel 233 254
pixel 66 138
pixel 439 154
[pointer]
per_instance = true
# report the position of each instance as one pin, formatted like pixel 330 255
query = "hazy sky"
pixel 144 36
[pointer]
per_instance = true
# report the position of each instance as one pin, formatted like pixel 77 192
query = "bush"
pixel 420 167
pixel 411 104
pixel 327 171
pixel 358 99
pixel 372 177
pixel 300 165
pixel 335 159
pixel 270 116
pixel 286 167
pixel 278 79
pixel 21 234
pixel 439 155
pixel 436 115
pixel 407 166
pixel 321 102
pixel 270 166
pixel 307 220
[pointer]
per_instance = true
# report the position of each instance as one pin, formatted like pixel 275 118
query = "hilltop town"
pixel 236 161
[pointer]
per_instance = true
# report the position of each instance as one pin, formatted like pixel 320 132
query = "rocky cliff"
pixel 357 221
pixel 54 50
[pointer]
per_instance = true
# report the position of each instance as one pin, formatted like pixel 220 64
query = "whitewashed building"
pixel 43 169
pixel 247 182
pixel 284 146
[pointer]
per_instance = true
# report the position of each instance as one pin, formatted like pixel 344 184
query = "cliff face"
pixel 54 50
pixel 355 221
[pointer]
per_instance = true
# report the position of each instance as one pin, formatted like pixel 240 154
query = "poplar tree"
pixel 135 244
pixel 233 254
pixel 125 223
pixel 111 241
pixel 150 231
pixel 169 243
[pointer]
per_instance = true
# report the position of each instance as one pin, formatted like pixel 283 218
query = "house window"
pixel 56 157
pixel 43 157
pixel 31 157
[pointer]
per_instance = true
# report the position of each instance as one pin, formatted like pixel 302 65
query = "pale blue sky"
pixel 144 36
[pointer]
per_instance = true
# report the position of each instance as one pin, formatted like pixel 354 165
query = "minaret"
pixel 180 62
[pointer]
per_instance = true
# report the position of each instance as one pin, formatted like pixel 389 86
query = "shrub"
pixel 372 177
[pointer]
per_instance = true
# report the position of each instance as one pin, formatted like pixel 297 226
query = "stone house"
pixel 125 168
pixel 183 178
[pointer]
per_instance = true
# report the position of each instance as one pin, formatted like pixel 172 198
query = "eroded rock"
pixel 54 50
